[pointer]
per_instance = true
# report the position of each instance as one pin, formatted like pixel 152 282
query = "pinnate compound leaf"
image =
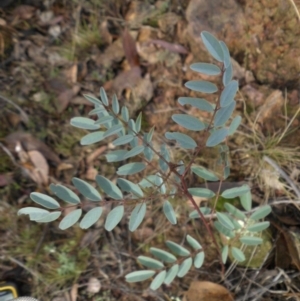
pixel 33 212
pixel 246 200
pixel 134 152
pixel 109 187
pixel 138 123
pixel 115 104
pixel 131 125
pixel 84 123
pixel 185 267
pixel 113 218
pixel 139 276
pixel 125 114
pixel 65 194
pixel 204 211
pixel 177 249
pixel 116 156
pixel 137 216
pixel 92 99
pixel 237 224
pixel 169 212
pixel 128 186
pixel 204 173
pixel 258 227
pixel 164 159
pixel 148 153
pixel 92 138
pixel 198 103
pixel 201 192
pixel 87 190
pixel 199 259
pixel 103 97
pixel 261 212
pixel 171 274
pixel 226 53
pixel 224 253
pixel 150 263
pixel 223 230
pixel 201 86
pixel 235 123
pixel 158 280
pixel 237 254
pixel 148 181
pixel 228 94
pixel 70 219
pixel 224 114
pixel 99 109
pixel 205 68
pixel 216 137
pixel 91 218
pixel 251 240
pixel 234 211
pixel 52 216
pixel 113 130
pixel 183 140
pixel 235 192
pixel 134 142
pixel 189 122
pixel 225 220
pixel 104 120
pixel 131 168
pixel 227 76
pixel 212 45
pixel 44 200
pixel 149 136
pixel 123 140
pixel 193 243
pixel 226 172
pixel 163 255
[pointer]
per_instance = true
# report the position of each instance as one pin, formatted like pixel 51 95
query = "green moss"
pixel 68 137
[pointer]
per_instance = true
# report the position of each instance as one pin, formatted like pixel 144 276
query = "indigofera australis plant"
pixel 165 179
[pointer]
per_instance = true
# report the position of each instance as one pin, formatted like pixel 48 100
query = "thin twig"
pixel 19 263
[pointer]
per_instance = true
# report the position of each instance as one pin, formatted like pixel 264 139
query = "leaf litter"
pixel 57 54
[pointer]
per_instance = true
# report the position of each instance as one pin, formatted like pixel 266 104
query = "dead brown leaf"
pixel 95 154
pixel 143 234
pixel 74 292
pixel 91 173
pixel 127 79
pixel 23 12
pixel 106 37
pixel 129 46
pixel 41 171
pixel 62 89
pixel 29 143
pixel 271 107
pixel 63 100
pixel 170 46
pixel 205 290
pixel 71 74
pixel 281 259
pixel 292 241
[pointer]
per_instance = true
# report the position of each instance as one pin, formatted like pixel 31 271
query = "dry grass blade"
pixel 24 116
pixel 283 174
